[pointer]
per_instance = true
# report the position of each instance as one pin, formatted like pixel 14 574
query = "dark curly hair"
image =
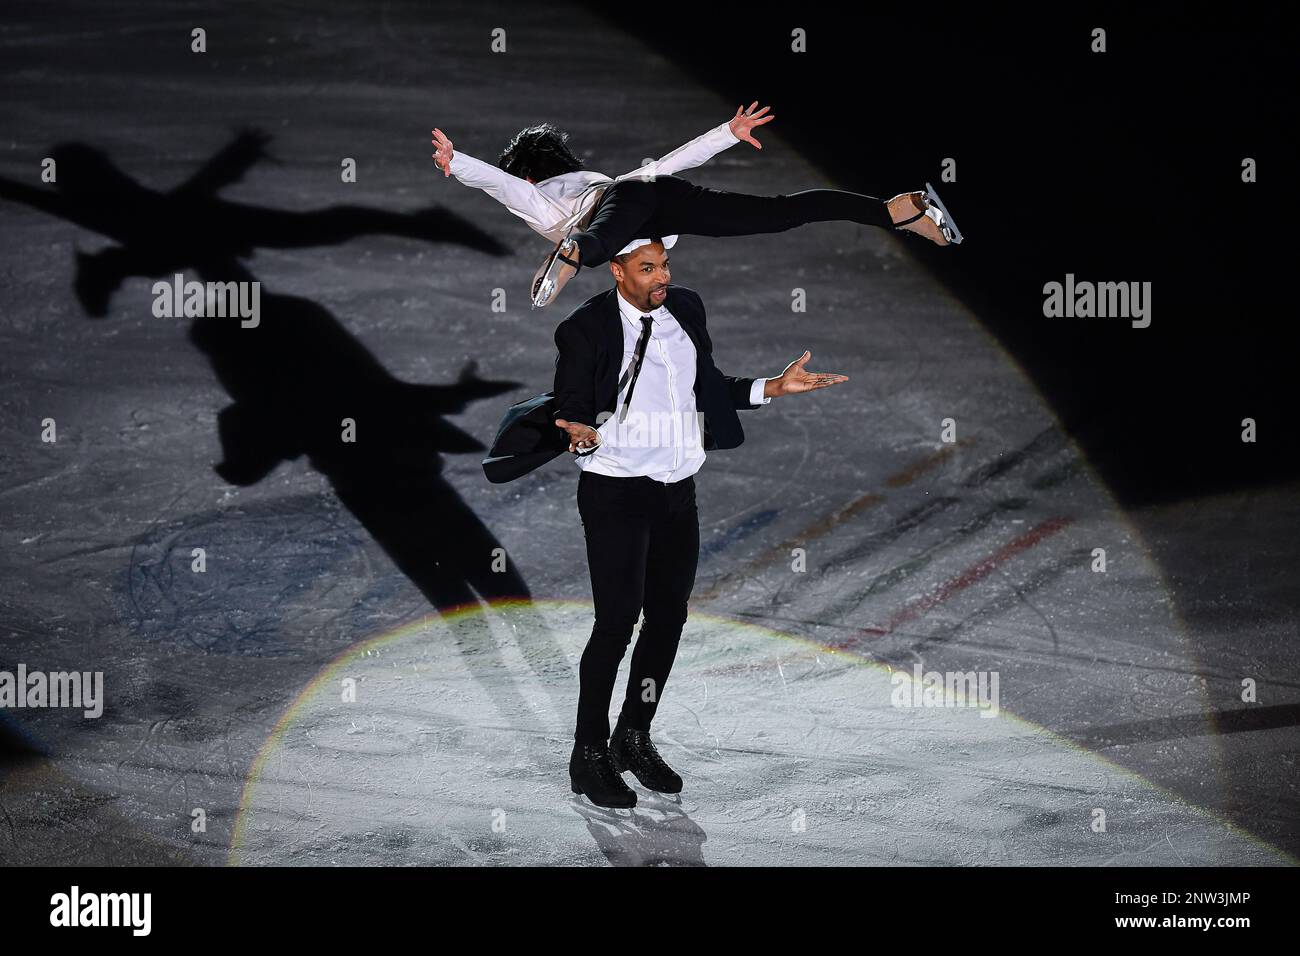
pixel 539 152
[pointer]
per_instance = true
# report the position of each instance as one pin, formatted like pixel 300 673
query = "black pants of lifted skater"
pixel 671 206
pixel 643 543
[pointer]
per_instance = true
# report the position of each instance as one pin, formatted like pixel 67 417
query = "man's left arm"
pixel 747 392
pixel 751 392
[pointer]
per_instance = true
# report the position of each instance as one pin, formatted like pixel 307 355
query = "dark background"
pixel 1116 166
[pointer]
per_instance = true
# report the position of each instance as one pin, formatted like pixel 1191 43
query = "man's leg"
pixel 670 576
pixel 617 528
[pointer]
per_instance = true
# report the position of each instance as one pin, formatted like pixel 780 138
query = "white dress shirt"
pixel 663 435
pixel 554 205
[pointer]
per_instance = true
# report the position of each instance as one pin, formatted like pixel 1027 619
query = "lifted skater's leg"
pixel 623 210
pixel 618 220
pixel 700 211
pixel 923 213
pixel 559 266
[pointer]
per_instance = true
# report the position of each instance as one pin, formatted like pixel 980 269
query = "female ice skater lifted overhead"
pixel 592 218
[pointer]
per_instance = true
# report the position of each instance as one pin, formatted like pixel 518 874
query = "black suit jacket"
pixel 590 343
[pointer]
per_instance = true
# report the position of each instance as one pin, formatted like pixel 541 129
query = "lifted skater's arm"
pixel 518 195
pixel 703 148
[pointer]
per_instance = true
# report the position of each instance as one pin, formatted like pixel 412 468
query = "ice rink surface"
pixel 327 573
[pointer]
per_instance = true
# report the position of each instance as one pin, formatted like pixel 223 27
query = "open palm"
pixel 746 120
pixel 796 378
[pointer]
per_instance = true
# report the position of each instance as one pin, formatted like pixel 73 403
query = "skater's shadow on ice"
pixel 657 832
pixel 297 382
pixel 296 375
pixel 160 233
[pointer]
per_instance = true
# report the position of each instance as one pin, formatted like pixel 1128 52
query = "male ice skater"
pixel 636 363
pixel 592 218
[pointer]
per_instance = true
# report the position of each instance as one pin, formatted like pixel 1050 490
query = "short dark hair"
pixel 539 152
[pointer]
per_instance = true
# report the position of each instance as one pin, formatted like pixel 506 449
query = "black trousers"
pixel 643 543
pixel 671 206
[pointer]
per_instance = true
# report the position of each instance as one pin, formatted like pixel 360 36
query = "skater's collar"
pixel 630 312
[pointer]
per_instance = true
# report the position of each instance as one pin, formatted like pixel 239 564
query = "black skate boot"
pixel 631 749
pixel 590 772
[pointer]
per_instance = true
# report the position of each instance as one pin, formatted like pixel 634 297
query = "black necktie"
pixel 634 369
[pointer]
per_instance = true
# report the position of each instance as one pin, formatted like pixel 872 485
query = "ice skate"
pixel 925 214
pixel 560 266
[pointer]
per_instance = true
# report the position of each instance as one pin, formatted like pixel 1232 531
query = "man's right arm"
pixel 575 375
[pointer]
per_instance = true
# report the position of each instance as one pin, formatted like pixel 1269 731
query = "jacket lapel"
pixel 686 319
pixel 683 310
pixel 677 304
pixel 613 325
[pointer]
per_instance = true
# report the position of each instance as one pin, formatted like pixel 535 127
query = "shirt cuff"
pixel 756 396
pixel 458 164
pixel 474 172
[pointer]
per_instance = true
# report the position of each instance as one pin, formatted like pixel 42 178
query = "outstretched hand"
pixel 442 152
pixel 796 378
pixel 746 119
pixel 580 436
